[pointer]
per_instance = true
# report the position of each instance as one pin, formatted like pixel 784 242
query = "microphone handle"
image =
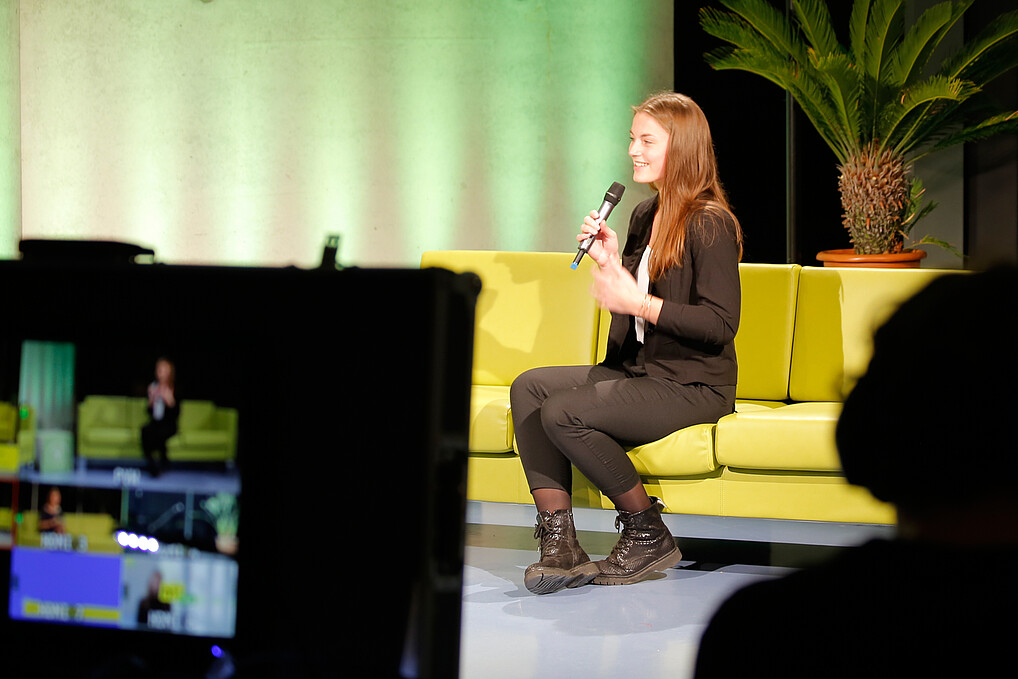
pixel 602 215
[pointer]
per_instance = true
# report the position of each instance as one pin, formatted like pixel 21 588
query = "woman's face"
pixel 648 147
pixel 163 370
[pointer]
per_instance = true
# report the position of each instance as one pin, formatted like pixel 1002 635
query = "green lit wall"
pixel 245 131
pixel 10 131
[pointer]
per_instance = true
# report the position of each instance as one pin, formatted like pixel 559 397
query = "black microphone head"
pixel 614 194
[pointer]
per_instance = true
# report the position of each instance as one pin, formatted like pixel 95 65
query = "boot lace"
pixel 543 526
pixel 545 532
pixel 626 539
pixel 624 543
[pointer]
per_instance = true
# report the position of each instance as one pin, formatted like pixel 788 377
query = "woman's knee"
pixel 521 385
pixel 535 385
pixel 558 412
pixel 524 391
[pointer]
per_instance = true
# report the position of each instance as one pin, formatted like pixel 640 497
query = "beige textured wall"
pixel 10 131
pixel 241 131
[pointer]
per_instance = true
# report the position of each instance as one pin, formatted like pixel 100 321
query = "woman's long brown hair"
pixel 690 182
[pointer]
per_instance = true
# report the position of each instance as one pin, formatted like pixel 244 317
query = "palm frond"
pixel 733 29
pixel 915 49
pixel 813 94
pixel 976 108
pixel 810 91
pixel 875 29
pixel 883 32
pixel 838 75
pixel 992 52
pixel 1001 123
pixel 939 242
pixel 916 210
pixel 731 58
pixel 905 123
pixel 766 45
pixel 857 29
pixel 769 23
pixel 814 20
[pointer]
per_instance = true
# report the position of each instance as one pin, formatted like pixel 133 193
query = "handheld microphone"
pixel 611 199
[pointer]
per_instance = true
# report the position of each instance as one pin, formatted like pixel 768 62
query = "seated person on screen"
pixel 51 514
pixel 164 410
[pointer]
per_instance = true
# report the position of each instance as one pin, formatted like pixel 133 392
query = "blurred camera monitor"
pixel 120 495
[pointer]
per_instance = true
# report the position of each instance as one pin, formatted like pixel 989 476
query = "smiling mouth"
pixel 638 163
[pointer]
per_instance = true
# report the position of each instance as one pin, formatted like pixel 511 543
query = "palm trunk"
pixel 875 190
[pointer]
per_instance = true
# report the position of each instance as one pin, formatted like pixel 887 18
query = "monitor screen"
pixel 123 489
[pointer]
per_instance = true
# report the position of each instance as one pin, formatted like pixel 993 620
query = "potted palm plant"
pixel 877 103
pixel 222 512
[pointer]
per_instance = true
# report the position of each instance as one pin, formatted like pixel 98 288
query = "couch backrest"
pixel 805 333
pixel 837 312
pixel 196 414
pixel 763 343
pixel 533 310
pixel 112 411
pixel 8 421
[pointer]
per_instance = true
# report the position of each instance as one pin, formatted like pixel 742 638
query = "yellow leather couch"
pixel 804 337
pixel 9 450
pixel 109 428
pixel 17 437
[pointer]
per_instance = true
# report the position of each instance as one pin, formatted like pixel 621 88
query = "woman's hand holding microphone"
pixel 614 287
pixel 606 242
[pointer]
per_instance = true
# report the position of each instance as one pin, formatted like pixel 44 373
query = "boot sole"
pixel 667 561
pixel 553 580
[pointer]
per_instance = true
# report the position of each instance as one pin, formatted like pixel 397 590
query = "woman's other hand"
pixel 166 393
pixel 615 289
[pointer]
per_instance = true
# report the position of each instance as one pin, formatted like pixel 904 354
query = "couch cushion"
pixel 204 438
pixel 764 341
pixel 491 427
pixel 111 436
pixel 685 452
pixel 796 437
pixel 838 311
pixel 533 310
pixel 799 496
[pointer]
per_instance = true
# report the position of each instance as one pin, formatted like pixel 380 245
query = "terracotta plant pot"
pixel 908 259
pixel 226 544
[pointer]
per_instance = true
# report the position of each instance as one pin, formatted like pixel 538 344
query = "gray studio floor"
pixel 647 630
